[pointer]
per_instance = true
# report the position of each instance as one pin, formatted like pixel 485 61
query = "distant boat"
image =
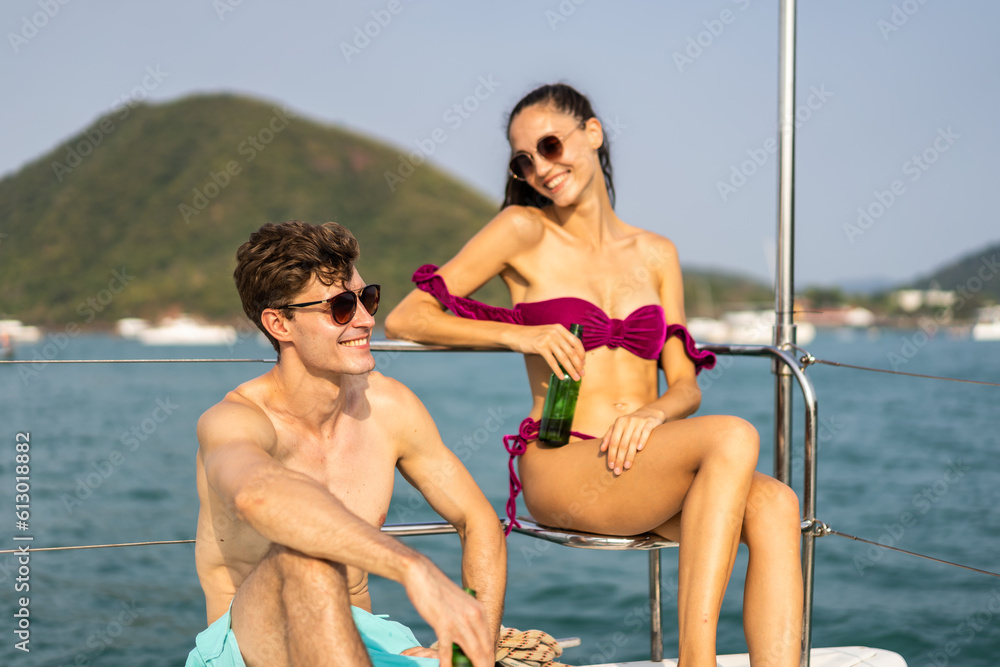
pixel 988 326
pixel 130 327
pixel 16 332
pixel 744 327
pixel 853 317
pixel 181 330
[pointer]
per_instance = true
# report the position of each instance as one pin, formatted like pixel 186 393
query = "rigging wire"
pixel 820 529
pixel 129 361
pixel 809 359
pixel 823 529
pixel 97 546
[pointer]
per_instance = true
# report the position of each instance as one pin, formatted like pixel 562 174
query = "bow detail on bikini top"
pixel 643 332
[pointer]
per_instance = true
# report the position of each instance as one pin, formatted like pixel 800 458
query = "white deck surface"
pixel 841 656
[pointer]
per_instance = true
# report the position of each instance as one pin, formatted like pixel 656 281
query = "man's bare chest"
pixel 356 466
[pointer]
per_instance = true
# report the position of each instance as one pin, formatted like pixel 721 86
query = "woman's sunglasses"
pixel 549 147
pixel 344 305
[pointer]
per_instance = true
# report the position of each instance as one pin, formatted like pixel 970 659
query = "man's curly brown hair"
pixel 279 259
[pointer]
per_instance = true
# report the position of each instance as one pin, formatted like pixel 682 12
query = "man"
pixel 295 472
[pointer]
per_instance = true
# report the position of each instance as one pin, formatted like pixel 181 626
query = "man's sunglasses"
pixel 549 147
pixel 344 305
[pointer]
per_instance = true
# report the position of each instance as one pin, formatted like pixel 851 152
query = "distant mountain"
pixel 708 292
pixel 141 213
pixel 976 276
pixel 866 286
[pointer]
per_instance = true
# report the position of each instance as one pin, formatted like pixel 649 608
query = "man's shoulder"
pixel 236 414
pixel 391 394
pixel 397 409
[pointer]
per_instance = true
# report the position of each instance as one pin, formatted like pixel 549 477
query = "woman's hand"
pixel 554 343
pixel 628 435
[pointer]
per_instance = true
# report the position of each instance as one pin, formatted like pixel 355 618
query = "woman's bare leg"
pixel 772 598
pixel 710 529
pixel 704 465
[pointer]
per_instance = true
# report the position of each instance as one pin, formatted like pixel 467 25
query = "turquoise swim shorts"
pixel 384 639
pixel 216 646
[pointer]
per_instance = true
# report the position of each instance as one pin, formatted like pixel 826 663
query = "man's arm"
pixel 289 508
pixel 441 478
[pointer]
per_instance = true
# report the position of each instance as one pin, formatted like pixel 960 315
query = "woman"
pixel 566 257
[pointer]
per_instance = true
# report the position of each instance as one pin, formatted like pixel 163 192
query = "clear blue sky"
pixel 885 78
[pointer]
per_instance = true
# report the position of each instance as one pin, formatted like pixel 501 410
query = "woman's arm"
pixel 421 318
pixel 682 397
pixel 629 433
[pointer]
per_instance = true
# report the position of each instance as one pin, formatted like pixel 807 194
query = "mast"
pixel 784 303
pixel 784 326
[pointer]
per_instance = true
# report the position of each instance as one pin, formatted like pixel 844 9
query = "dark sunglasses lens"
pixel 343 306
pixel 519 166
pixel 370 297
pixel 550 147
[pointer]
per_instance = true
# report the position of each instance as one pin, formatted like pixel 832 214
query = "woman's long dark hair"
pixel 570 101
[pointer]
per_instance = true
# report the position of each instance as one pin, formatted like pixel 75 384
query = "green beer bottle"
pixel 560 404
pixel 458 657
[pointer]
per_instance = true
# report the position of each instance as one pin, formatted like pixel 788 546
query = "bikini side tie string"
pixel 516 444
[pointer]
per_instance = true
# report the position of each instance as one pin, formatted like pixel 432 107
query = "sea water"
pixel 905 461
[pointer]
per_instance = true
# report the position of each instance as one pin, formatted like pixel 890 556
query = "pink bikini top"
pixel 643 332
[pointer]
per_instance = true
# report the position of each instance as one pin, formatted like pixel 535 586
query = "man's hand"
pixel 454 615
pixel 420 652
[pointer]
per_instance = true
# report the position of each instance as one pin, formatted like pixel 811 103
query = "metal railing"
pixel 811 528
pixel 786 362
pixel 782 463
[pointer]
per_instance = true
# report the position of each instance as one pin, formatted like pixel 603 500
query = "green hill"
pixel 141 213
pixel 164 194
pixel 976 277
pixel 708 292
